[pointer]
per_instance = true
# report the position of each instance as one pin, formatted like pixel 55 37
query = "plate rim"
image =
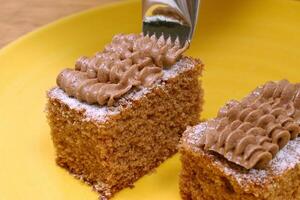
pixel 19 40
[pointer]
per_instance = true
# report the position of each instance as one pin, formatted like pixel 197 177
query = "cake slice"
pixel 110 129
pixel 251 150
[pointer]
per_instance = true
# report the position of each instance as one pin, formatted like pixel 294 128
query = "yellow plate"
pixel 243 43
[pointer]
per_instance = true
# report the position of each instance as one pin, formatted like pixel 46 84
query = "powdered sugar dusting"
pixel 193 134
pixel 287 158
pixel 94 112
pixel 102 113
pixel 182 65
pixel 101 188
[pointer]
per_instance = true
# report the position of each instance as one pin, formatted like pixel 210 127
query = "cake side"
pixel 203 173
pixel 112 150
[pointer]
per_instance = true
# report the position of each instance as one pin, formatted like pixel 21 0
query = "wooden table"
pixel 18 17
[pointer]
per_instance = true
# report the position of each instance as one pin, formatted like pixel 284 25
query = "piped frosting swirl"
pixel 128 61
pixel 251 132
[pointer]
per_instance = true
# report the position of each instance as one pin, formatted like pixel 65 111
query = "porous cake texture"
pixel 112 147
pixel 251 150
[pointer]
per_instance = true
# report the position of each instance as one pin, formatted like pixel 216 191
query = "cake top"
pixel 252 131
pixel 128 61
pixel 287 158
pixel 102 113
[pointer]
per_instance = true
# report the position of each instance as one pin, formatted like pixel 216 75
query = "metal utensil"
pixel 174 18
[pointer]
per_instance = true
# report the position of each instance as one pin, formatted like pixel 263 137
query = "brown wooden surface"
pixel 17 17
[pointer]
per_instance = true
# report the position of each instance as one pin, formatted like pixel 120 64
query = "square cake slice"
pixel 110 147
pixel 250 151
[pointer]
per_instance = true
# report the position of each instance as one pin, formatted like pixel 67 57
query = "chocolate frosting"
pixel 251 132
pixel 128 61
